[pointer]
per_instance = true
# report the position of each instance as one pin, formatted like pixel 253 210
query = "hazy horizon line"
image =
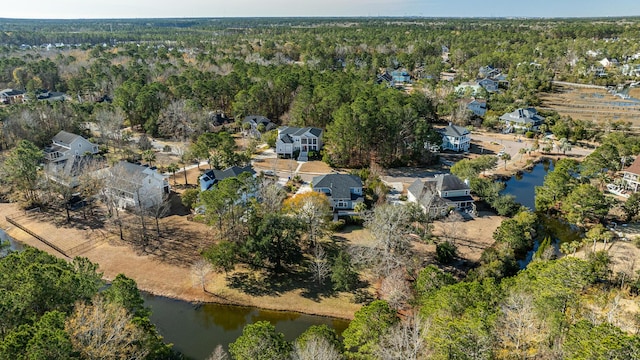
pixel 510 17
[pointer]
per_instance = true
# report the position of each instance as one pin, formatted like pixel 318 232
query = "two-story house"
pixel 292 139
pixel 523 119
pixel 65 146
pixel 66 160
pixel 489 84
pixel 213 176
pixel 455 138
pixel 441 193
pixel 631 176
pixel 344 191
pixel 132 186
pixel 12 96
pixel 477 106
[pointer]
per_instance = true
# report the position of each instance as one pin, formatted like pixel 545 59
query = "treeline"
pixel 555 309
pixel 53 309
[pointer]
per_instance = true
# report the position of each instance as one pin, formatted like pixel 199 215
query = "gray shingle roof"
pixel 528 116
pixel 436 185
pixel 65 137
pixel 339 184
pixel 454 130
pixel 11 92
pixel 229 172
pixel 295 131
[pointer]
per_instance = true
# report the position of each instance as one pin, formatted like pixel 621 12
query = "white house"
pixel 631 176
pixel 472 87
pixel 292 139
pixel 524 119
pixel 455 138
pixel 609 62
pixel 66 145
pixel 440 193
pixel 132 185
pixel 344 191
pixel 12 96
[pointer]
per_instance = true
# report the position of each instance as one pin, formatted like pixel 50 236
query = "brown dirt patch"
pixel 315 167
pixel 475 236
pixel 276 163
pixel 192 178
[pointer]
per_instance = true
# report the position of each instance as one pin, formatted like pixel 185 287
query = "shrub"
pixel 445 252
pixel 189 197
pixel 337 225
pixel 529 134
pixel 362 296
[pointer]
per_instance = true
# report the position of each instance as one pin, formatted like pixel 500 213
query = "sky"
pixel 85 9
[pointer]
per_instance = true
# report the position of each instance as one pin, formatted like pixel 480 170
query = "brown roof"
pixel 635 167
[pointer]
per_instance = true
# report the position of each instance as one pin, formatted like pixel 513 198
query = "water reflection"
pixel 217 315
pixel 197 330
pixel 523 184
pixel 13 245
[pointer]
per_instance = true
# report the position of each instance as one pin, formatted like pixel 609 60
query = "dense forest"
pixel 176 78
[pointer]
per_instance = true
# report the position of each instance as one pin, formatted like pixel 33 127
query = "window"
pixel 314 141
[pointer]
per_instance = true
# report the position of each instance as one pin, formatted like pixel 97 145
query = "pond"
pixel 196 330
pixel 522 185
pixel 13 245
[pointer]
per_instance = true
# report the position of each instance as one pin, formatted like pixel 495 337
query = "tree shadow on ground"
pixel 176 245
pixel 81 219
pixel 269 283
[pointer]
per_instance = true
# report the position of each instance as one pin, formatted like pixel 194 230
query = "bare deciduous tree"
pixel 200 270
pixel 103 330
pixel 270 196
pixel 405 340
pixel 316 348
pixel 109 125
pixel 396 289
pixel 320 266
pixel 451 229
pixel 521 329
pixel 218 354
pixel 159 208
pixel 390 227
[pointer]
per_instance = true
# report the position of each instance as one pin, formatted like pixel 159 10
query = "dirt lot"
pixel 596 105
pixel 471 237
